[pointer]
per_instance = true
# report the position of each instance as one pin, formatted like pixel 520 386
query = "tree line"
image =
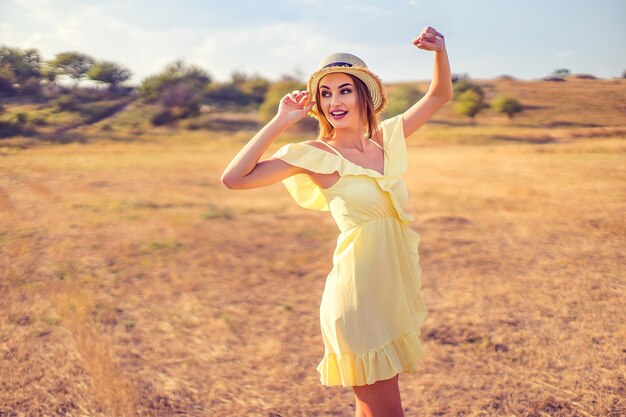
pixel 181 90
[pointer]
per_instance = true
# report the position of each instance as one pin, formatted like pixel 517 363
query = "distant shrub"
pixel 553 78
pixel 469 103
pixel 31 86
pixel 241 91
pixel 8 129
pixel 402 98
pixel 506 105
pixel 462 86
pixel 224 94
pixel 506 77
pixel 561 72
pixel 162 118
pixel 21 118
pixel 179 87
pixel 7 81
pixel 109 72
pixel 19 71
pixel 585 76
pixel 73 64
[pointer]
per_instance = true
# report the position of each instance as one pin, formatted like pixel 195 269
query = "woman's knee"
pixel 381 398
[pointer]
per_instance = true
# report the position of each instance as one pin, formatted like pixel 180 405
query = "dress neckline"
pixel 354 163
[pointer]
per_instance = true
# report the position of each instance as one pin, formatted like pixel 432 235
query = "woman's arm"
pixel 440 89
pixel 245 171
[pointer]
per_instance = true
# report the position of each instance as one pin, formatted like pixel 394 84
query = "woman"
pixel 371 308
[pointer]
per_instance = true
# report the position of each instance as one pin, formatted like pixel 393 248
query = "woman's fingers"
pixel 304 97
pixel 430 31
pixel 298 99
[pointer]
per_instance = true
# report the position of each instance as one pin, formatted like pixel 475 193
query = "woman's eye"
pixel 324 94
pixel 346 90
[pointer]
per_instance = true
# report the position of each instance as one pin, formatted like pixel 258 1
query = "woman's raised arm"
pixel 440 89
pixel 245 171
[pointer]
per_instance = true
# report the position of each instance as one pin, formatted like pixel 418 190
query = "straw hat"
pixel 349 64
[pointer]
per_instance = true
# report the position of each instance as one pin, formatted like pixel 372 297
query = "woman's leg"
pixel 358 412
pixel 380 399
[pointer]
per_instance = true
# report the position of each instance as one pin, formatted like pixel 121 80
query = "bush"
pixel 507 105
pixel 31 86
pixel 7 81
pixel 553 78
pixel 21 118
pixel 162 118
pixel 462 86
pixel 402 98
pixel 561 72
pixel 9 129
pixel 241 91
pixel 469 103
pixel 179 87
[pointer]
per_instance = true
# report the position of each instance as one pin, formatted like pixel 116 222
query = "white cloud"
pixel 259 49
pixel 99 31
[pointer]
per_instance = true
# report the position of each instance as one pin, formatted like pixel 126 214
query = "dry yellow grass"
pixel 134 283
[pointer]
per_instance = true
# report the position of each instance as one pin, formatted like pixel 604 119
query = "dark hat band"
pixel 338 64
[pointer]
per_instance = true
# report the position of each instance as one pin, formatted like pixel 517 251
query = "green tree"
pixel 506 105
pixel 8 80
pixel 19 70
pixel 464 85
pixel 109 72
pixel 75 65
pixel 469 103
pixel 152 87
pixel 179 88
pixel 24 63
pixel 241 91
pixel 561 72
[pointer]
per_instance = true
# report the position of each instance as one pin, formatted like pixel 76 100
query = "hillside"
pixel 553 111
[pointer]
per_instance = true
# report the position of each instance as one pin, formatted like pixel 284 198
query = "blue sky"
pixel 485 39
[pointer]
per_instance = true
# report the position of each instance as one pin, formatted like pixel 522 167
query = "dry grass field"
pixel 135 284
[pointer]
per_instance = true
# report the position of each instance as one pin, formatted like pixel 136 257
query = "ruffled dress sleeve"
pixel 303 190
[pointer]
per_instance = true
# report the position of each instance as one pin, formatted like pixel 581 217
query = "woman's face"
pixel 339 100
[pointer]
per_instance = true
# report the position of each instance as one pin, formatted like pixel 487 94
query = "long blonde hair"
pixel 366 107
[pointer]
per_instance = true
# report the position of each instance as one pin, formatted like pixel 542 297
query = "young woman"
pixel 371 309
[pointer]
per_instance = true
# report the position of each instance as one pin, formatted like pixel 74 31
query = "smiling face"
pixel 339 100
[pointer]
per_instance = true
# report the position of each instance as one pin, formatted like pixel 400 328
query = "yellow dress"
pixel 371 308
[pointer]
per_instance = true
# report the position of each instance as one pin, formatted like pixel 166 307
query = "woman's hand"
pixel 294 106
pixel 430 40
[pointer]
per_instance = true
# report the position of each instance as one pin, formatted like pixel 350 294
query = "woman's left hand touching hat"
pixel 429 40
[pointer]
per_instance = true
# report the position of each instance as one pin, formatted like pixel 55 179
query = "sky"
pixel 484 38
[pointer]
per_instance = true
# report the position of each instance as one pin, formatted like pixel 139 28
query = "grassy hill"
pixel 552 111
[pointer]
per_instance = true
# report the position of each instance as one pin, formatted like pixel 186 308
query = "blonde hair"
pixel 366 107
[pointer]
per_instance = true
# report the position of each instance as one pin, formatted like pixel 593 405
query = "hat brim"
pixel 371 80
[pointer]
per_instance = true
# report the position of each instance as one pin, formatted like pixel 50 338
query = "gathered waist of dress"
pixel 373 219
